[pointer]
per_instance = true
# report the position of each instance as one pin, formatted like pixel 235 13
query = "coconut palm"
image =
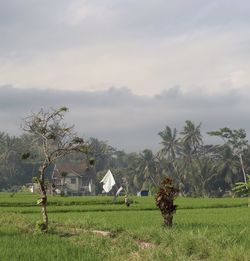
pixel 191 134
pixel 101 152
pixel 204 174
pixel 171 150
pixel 149 166
pixel 170 143
pixel 228 167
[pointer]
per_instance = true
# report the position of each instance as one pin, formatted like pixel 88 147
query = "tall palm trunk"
pixel 181 181
pixel 243 169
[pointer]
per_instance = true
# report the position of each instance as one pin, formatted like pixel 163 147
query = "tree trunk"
pixel 244 174
pixel 181 181
pixel 243 169
pixel 168 219
pixel 43 200
pixel 43 206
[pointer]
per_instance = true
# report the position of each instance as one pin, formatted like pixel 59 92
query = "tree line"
pixel 199 169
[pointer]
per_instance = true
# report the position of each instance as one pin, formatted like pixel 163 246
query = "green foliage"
pixel 25 156
pixel 236 138
pixel 35 180
pixel 191 134
pixel 64 174
pixel 78 140
pixel 200 169
pixel 63 109
pixel 243 188
pixel 165 200
pixel 92 161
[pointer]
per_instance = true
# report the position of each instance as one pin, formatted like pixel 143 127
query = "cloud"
pixel 51 47
pixel 147 45
pixel 124 119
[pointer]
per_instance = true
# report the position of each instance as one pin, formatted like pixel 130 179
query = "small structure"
pixel 73 178
pixel 33 187
pixel 142 193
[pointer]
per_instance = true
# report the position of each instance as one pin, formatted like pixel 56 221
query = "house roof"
pixel 70 167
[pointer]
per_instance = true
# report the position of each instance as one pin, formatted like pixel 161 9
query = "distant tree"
pixel 101 152
pixel 133 172
pixel 149 167
pixel 236 139
pixel 10 163
pixel 204 172
pixel 227 167
pixel 56 140
pixel 171 149
pixel 191 135
pixel 170 143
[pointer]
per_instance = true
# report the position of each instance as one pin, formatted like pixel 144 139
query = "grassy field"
pixel 92 228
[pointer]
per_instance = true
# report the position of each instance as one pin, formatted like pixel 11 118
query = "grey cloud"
pixel 127 121
pixel 37 26
pixel 34 98
pixel 199 99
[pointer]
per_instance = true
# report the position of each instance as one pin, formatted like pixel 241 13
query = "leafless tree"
pixel 56 140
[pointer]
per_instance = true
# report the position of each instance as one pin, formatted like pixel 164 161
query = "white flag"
pixel 90 189
pixel 108 181
pixel 119 190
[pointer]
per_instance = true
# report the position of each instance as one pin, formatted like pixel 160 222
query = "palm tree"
pixel 170 143
pixel 186 163
pixel 149 166
pixel 205 171
pixel 192 135
pixel 227 166
pixel 101 152
pixel 171 150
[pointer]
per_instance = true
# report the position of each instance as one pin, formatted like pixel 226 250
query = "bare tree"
pixel 56 140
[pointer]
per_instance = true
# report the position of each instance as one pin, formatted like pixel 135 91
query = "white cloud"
pixel 146 45
pixel 197 60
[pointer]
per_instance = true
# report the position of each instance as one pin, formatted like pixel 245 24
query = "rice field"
pixel 93 228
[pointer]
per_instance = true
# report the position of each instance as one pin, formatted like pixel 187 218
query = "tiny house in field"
pixel 73 178
pixel 143 193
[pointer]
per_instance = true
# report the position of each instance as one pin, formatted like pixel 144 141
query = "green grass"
pixel 23 246
pixel 204 229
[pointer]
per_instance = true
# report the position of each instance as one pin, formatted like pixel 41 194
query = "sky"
pixel 126 68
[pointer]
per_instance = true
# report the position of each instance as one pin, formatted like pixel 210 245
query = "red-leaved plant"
pixel 165 200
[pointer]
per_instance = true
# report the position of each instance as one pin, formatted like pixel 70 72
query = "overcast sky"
pixel 126 68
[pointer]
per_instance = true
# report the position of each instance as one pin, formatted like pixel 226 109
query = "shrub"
pixel 165 200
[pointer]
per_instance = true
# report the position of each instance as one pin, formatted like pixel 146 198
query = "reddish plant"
pixel 165 200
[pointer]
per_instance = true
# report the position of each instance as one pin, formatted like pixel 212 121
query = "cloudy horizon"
pixel 125 68
pixel 125 120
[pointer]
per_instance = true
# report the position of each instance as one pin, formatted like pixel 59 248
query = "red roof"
pixel 69 167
